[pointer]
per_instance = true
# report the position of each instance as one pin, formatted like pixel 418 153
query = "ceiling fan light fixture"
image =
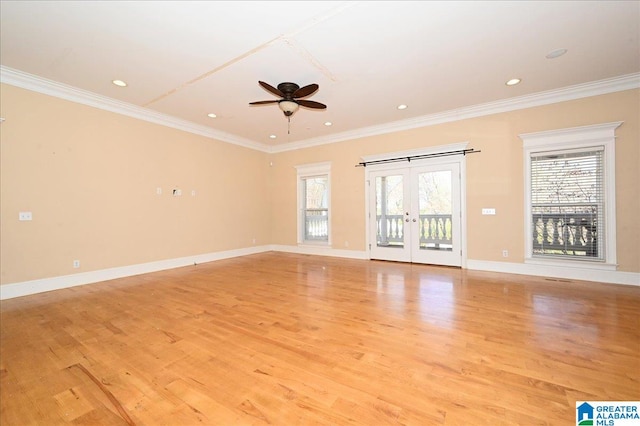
pixel 288 107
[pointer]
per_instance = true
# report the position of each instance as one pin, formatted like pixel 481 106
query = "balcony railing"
pixel 566 230
pixel 316 225
pixel 557 232
pixel 435 230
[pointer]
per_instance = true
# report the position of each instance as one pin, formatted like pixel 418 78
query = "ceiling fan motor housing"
pixel 288 89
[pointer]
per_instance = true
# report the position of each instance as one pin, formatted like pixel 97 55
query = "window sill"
pixel 578 264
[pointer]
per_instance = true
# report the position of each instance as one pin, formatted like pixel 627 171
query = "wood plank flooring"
pixel 288 339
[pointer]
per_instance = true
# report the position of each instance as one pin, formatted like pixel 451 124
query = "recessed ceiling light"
pixel 119 83
pixel 272 136
pixel 211 115
pixel 556 53
pixel 513 82
pixel 402 106
pixel 328 123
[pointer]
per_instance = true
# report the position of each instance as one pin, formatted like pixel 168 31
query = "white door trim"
pixel 460 159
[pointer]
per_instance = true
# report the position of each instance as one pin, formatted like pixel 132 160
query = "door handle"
pixel 407 220
pixel 413 220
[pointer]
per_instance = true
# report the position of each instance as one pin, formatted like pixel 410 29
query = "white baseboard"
pixel 321 251
pixel 611 277
pixel 604 276
pixel 25 288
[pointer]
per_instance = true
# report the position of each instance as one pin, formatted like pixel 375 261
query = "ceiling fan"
pixel 291 94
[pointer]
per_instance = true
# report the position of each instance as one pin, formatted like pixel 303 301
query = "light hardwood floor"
pixel 289 339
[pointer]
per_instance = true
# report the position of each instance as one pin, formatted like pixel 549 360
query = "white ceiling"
pixel 187 59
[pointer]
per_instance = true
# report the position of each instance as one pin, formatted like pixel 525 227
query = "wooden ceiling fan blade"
pixel 310 104
pixel 264 102
pixel 305 91
pixel 271 89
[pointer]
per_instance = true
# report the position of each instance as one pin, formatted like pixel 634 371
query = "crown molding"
pixel 602 87
pixel 59 90
pixel 52 88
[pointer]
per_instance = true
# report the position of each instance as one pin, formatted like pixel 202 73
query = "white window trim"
pixel 575 138
pixel 307 171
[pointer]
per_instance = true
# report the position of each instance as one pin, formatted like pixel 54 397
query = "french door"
pixel 414 214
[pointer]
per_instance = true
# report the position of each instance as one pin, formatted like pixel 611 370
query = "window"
pixel 567 201
pixel 314 182
pixel 570 196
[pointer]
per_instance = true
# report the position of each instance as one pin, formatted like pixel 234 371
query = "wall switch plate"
pixel 489 211
pixel 25 216
pixel 76 263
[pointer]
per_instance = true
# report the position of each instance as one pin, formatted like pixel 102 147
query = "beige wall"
pixel 495 177
pixel 90 178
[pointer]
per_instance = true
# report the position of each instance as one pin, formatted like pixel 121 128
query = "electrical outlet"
pixel 25 216
pixel 489 211
pixel 505 253
pixel 76 264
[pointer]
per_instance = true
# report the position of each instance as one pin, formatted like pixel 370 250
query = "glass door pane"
pixel 389 211
pixel 389 229
pixel 435 210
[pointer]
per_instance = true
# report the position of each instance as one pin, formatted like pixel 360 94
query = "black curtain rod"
pixel 418 157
